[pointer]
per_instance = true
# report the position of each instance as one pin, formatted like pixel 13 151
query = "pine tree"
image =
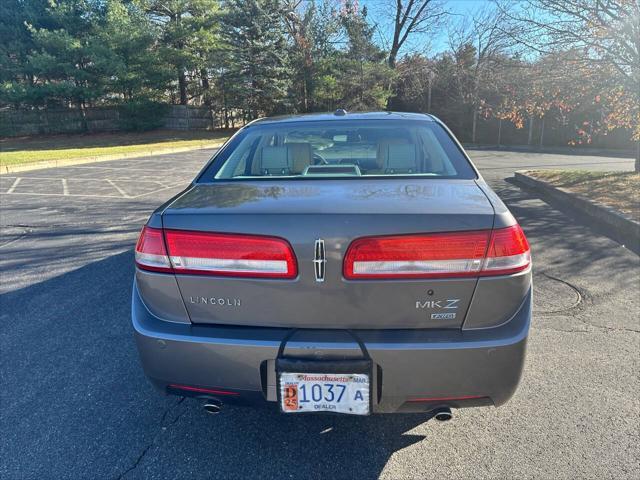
pixel 365 78
pixel 131 54
pixel 60 61
pixel 186 33
pixel 258 73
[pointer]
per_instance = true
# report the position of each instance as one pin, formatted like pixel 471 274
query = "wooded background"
pixel 537 72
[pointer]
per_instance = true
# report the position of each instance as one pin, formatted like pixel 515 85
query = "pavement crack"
pixel 168 410
pixel 579 294
pixel 13 240
pixel 163 428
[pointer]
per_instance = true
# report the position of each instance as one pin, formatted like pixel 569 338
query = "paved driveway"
pixel 75 404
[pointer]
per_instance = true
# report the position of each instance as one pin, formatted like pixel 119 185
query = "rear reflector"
pixel 438 255
pixel 204 253
pixel 444 399
pixel 212 391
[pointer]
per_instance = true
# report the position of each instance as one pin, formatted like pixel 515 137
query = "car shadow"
pixel 75 402
pixel 247 443
pixel 515 194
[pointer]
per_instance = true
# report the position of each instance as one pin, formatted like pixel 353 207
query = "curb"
pixel 621 153
pixel 615 224
pixel 24 167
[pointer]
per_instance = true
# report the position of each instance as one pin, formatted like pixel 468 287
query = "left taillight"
pixel 151 252
pixel 223 254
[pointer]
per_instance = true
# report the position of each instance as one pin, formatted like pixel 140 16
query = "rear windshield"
pixel 373 148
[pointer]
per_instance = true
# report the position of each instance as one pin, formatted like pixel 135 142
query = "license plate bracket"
pixel 355 375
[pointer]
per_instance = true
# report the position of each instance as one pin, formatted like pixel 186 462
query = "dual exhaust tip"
pixel 212 406
pixel 443 414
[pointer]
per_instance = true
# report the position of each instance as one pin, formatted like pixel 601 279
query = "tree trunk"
pixel 429 93
pixel 530 130
pixel 205 86
pixel 542 133
pixel 499 132
pixel 83 114
pixel 182 84
pixel 637 166
pixel 225 108
pixel 475 125
pixel 305 94
pixel 393 55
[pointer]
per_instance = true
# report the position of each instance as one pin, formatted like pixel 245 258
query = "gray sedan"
pixel 345 263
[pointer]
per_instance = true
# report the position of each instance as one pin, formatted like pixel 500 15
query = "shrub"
pixel 142 115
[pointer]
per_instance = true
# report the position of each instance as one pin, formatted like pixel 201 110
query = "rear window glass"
pixel 373 148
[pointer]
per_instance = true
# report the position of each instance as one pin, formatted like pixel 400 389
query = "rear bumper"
pixel 415 370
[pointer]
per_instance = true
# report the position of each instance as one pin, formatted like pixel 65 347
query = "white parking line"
pixel 122 169
pixel 97 179
pixel 122 192
pixel 61 195
pixel 128 197
pixel 159 190
pixel 16 182
pixel 66 191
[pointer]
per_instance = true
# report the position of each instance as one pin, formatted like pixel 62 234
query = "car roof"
pixel 339 116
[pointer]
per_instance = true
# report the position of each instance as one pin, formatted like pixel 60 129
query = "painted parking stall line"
pixel 113 184
pixel 126 188
pixel 14 185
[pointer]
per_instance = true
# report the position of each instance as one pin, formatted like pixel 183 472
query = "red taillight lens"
pixel 151 253
pixel 230 254
pixel 438 255
pixel 206 253
pixel 508 252
pixel 417 256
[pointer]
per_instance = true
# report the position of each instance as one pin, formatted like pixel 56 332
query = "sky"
pixel 432 44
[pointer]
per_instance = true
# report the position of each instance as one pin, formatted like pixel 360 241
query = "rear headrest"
pixel 396 155
pixel 382 152
pixel 300 155
pixel 291 158
pixel 400 158
pixel 274 157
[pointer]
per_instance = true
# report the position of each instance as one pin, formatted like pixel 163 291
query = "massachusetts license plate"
pixel 324 392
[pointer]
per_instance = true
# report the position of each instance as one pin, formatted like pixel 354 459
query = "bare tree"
pixel 485 37
pixel 297 22
pixel 603 35
pixel 412 17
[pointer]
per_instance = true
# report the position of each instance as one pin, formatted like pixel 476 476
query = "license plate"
pixel 324 392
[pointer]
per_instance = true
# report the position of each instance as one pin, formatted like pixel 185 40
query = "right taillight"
pixel 438 255
pixel 220 254
pixel 508 252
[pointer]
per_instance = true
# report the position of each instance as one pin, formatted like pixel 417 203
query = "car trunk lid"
pixel 329 215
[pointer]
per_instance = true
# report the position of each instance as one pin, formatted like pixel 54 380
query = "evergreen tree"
pixel 313 31
pixel 57 54
pixel 187 35
pixel 131 53
pixel 364 78
pixel 258 73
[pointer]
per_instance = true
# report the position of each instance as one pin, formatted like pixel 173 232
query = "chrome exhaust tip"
pixel 212 407
pixel 443 414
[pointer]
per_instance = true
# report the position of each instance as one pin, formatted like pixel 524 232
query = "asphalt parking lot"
pixel 75 403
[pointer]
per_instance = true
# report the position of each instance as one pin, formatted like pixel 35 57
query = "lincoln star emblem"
pixel 319 260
